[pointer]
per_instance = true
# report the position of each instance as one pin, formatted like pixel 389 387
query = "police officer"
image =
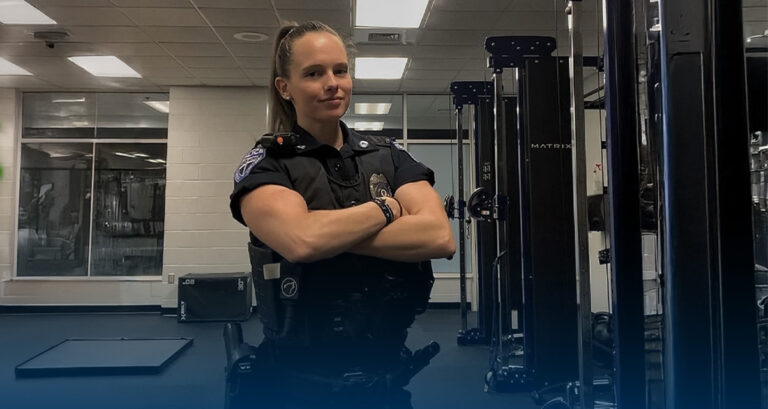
pixel 342 228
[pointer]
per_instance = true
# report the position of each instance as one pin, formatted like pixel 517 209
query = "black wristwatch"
pixel 388 213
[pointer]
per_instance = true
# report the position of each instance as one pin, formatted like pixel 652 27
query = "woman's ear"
pixel 282 87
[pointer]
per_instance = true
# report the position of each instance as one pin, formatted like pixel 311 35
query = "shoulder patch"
pixel 249 161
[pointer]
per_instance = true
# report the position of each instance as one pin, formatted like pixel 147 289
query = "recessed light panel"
pixel 368 126
pixel 390 13
pixel 372 109
pixel 9 68
pixel 380 68
pixel 105 66
pixel 21 12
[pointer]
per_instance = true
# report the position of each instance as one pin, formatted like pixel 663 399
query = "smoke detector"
pixel 51 37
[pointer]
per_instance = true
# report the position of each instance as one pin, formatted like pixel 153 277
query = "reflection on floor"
pixel 195 380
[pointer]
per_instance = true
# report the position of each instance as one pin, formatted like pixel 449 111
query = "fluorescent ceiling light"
pixel 368 126
pixel 160 106
pixel 372 109
pixel 105 66
pixel 9 68
pixel 125 155
pixel 69 100
pixel 21 12
pixel 390 13
pixel 140 155
pixel 380 68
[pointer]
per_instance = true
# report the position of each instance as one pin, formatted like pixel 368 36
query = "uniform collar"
pixel 354 140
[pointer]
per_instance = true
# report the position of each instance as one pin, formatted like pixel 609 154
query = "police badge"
pixel 379 186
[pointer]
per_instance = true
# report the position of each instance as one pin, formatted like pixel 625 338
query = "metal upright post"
pixel 462 203
pixel 580 224
pixel 500 199
pixel 710 335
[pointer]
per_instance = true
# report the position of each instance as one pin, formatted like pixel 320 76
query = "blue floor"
pixel 454 379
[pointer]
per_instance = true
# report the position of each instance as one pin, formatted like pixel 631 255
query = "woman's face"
pixel 319 83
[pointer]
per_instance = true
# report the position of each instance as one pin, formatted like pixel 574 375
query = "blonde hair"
pixel 282 114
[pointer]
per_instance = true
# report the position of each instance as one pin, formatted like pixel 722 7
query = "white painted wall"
pixel 8 115
pixel 210 129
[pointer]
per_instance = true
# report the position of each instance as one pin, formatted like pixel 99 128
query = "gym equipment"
pixel 214 297
pixel 469 93
pixel 104 356
pixel 545 203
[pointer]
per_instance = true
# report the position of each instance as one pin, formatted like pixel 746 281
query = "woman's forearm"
pixel 410 238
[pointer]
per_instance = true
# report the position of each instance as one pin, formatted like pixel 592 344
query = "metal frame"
pixel 550 355
pixel 622 132
pixel 580 224
pixel 20 142
pixel 710 336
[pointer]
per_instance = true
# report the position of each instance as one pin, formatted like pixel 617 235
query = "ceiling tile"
pixel 227 82
pixel 181 34
pixel 425 86
pixel 549 5
pixel 150 62
pixel 171 81
pixel 366 50
pixel 165 16
pixel 248 4
pixel 429 75
pixel 754 28
pixel 474 75
pixel 208 62
pixel 462 20
pixel 219 17
pixel 24 82
pixel 120 49
pixel 118 34
pixel 177 72
pixel 434 51
pixel 756 13
pixel 87 16
pixel 251 50
pixel 474 5
pixel 87 3
pixel 311 5
pixel 261 75
pixel 376 85
pixel 255 62
pixel 218 72
pixel 451 37
pixel 340 20
pixel 73 49
pixel 17 33
pixel 151 3
pixel 196 49
pixel 47 65
pixel 447 64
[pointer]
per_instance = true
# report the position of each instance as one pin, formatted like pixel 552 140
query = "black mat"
pixel 104 356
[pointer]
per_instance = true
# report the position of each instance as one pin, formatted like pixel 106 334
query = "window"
pixel 92 185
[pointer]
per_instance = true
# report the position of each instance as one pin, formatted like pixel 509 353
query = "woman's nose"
pixel 331 83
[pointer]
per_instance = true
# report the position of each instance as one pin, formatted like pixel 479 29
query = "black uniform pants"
pixel 311 379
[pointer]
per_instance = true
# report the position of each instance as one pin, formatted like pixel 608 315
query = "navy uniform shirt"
pixel 260 167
